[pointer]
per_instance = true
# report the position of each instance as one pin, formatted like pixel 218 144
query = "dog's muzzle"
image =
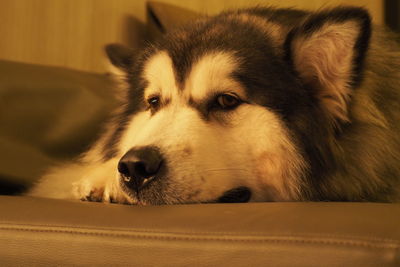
pixel 140 166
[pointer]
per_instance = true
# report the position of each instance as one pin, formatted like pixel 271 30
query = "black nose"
pixel 140 166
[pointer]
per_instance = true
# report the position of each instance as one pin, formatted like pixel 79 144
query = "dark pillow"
pixel 47 114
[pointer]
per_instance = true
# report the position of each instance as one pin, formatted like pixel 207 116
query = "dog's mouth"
pixel 236 195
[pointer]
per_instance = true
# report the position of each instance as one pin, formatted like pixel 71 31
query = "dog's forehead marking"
pixel 212 73
pixel 160 74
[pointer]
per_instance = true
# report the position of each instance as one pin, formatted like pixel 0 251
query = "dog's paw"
pixel 85 190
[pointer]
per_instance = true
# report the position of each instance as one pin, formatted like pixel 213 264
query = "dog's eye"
pixel 228 101
pixel 154 102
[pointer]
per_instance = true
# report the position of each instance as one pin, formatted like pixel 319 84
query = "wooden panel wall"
pixel 72 33
pixel 69 33
pixel 214 6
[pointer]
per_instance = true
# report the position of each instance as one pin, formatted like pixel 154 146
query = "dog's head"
pixel 235 108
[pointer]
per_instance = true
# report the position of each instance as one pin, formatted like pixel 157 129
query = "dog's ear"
pixel 121 59
pixel 120 56
pixel 327 51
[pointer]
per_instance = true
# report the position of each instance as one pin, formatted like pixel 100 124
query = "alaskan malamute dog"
pixel 258 104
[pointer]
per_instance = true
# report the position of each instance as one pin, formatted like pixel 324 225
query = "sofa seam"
pixel 253 234
pixel 294 239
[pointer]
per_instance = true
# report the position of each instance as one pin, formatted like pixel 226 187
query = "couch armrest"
pixel 55 232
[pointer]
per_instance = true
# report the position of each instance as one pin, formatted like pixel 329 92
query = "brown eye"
pixel 228 101
pixel 154 102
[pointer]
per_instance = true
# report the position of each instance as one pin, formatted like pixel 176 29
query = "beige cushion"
pixel 44 232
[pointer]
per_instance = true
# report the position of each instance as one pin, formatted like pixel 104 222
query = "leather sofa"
pixel 50 114
pixel 45 232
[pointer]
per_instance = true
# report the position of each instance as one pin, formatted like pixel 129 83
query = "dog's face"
pixel 214 116
pixel 210 135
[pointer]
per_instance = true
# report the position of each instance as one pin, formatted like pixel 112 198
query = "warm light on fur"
pixel 316 117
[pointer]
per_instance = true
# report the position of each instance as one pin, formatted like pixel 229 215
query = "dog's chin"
pixel 236 195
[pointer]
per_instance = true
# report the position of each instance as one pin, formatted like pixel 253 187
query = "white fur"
pixel 159 72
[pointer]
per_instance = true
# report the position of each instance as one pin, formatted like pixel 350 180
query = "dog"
pixel 258 104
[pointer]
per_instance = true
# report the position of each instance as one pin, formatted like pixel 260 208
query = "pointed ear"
pixel 327 51
pixel 120 56
pixel 121 59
